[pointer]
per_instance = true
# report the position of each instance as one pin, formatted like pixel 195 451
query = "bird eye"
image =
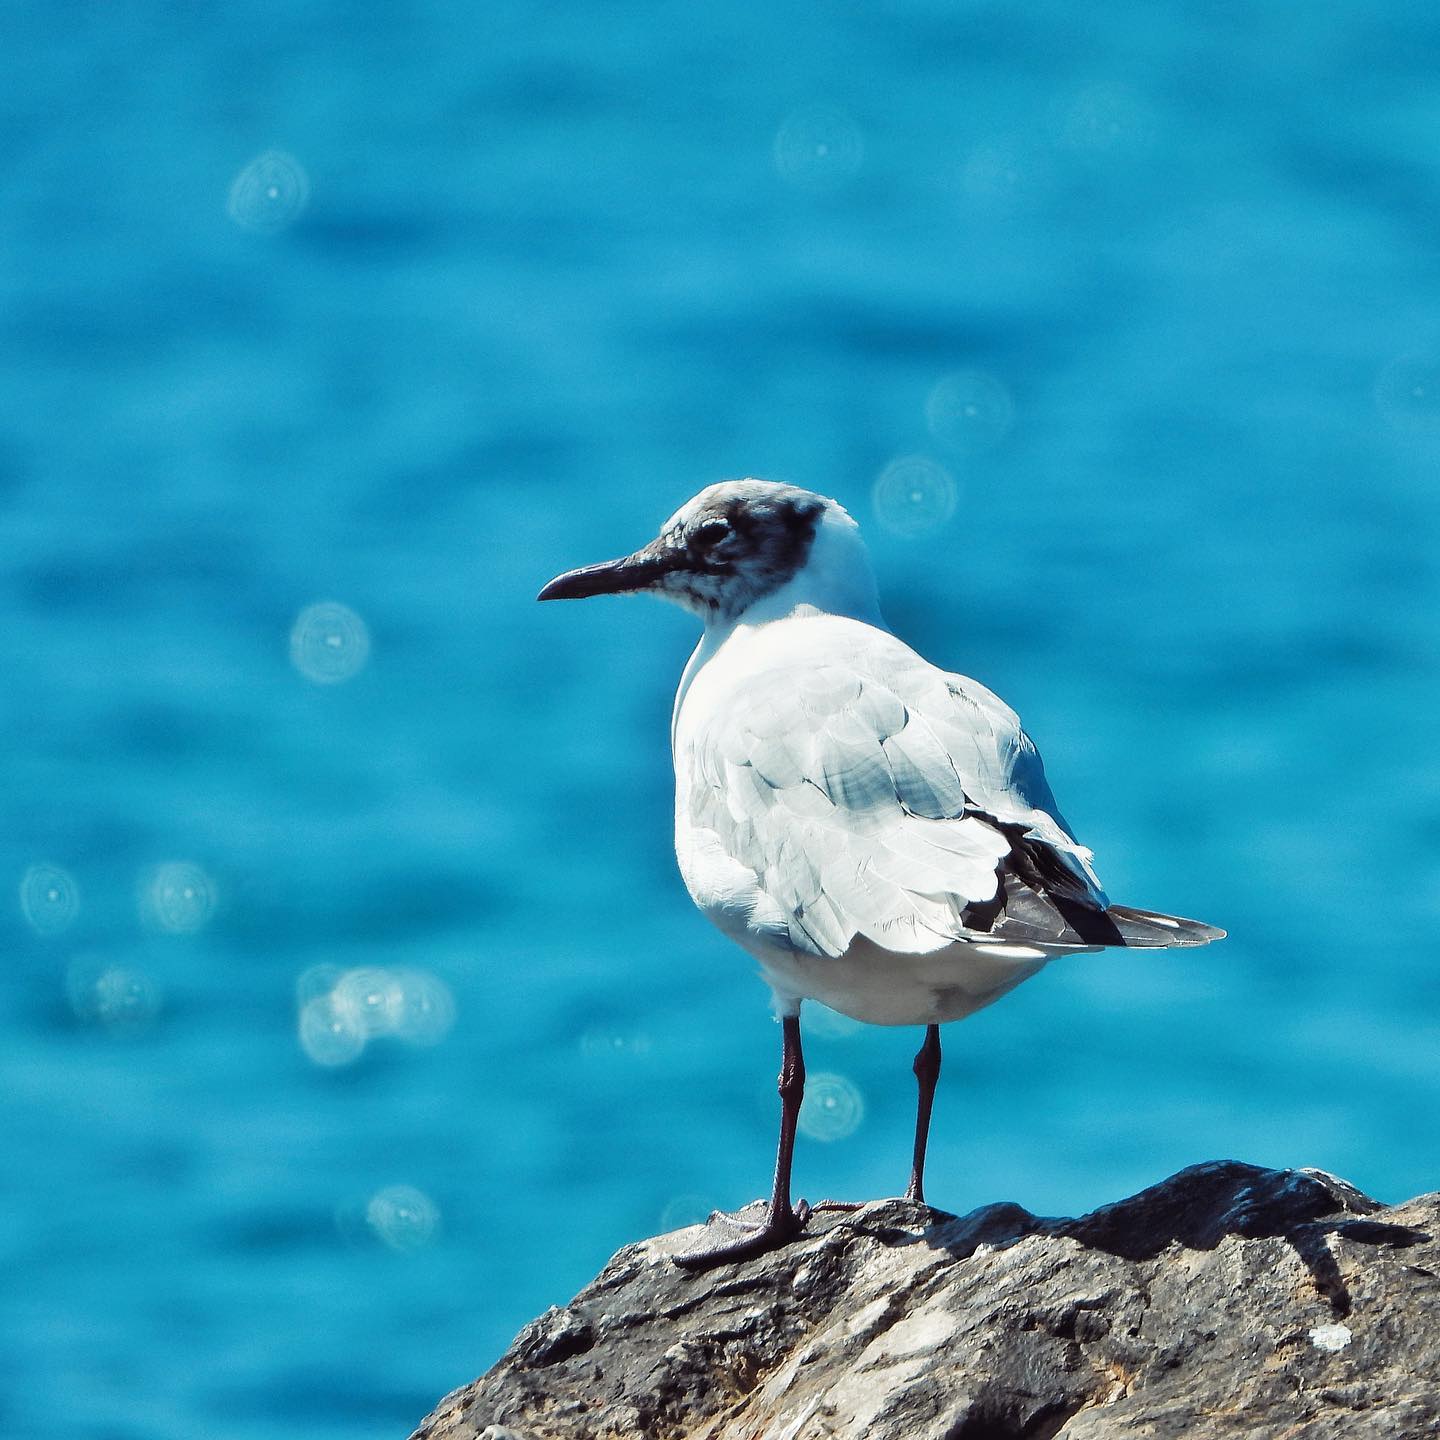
pixel 712 532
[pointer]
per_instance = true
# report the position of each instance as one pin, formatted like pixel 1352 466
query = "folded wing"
pixel 873 795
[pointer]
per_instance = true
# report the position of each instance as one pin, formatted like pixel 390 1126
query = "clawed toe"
pixel 721 1217
pixel 772 1233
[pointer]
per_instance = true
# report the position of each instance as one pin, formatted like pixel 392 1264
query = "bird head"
pixel 734 545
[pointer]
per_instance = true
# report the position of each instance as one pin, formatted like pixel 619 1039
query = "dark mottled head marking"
pixel 737 542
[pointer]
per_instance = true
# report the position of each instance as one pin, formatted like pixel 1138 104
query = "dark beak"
pixel 611 577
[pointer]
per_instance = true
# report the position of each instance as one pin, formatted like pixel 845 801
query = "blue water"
pixel 527 278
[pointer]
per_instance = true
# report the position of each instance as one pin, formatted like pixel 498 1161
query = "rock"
pixel 1227 1301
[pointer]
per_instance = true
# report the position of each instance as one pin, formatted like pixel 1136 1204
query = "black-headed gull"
pixel 877 833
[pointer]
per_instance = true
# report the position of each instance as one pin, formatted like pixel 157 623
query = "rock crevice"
pixel 1228 1300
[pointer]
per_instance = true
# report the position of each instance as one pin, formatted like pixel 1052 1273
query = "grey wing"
pixel 882 803
pixel 1008 777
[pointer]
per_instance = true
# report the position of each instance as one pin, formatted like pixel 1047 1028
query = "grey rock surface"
pixel 1226 1301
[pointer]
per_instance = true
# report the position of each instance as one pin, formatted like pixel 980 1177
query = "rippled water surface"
pixel 352 1010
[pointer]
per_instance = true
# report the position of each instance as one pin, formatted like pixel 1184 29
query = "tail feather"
pixel 1148 928
pixel 1042 900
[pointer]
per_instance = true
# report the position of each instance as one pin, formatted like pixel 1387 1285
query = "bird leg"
pixel 927 1072
pixel 782 1220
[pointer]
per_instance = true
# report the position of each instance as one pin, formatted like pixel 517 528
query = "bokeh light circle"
pixel 969 411
pixel 341 1011
pixel 403 1217
pixel 818 147
pixel 269 194
pixel 121 998
pixel 371 997
pixel 178 898
pixel 49 899
pixel 330 1035
pixel 125 998
pixel 832 1108
pixel 1407 393
pixel 914 495
pixel 329 643
pixel 1002 178
pixel 603 1043
pixel 1105 118
pixel 425 1013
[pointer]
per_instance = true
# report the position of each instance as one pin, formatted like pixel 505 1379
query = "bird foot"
pixel 763 1236
pixel 850 1206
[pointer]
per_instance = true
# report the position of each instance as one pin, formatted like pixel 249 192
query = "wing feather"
pixel 873 795
pixel 926 780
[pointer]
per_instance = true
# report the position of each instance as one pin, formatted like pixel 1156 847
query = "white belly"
pixel 883 988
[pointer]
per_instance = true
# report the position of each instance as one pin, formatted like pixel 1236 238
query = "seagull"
pixel 876 832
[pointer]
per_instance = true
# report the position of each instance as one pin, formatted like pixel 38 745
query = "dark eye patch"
pixel 712 532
